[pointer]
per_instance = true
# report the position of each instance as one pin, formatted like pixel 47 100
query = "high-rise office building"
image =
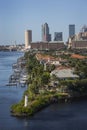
pixel 71 30
pixel 58 36
pixel 28 38
pixel 45 33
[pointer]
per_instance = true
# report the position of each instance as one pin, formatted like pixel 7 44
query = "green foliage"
pixel 21 110
pixel 34 106
pixel 17 108
pixel 79 86
pixel 80 67
pixel 33 87
pixel 45 77
pixel 39 78
pixel 50 68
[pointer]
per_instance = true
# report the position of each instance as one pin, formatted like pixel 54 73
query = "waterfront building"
pixel 71 30
pixel 58 36
pixel 45 33
pixel 28 38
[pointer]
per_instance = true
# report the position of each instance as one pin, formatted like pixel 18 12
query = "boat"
pixel 11 84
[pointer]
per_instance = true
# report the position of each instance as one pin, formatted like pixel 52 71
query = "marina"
pixel 19 76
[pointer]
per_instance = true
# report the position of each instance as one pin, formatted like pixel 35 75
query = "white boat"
pixel 22 81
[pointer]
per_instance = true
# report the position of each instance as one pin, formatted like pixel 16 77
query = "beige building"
pixel 28 38
pixel 55 45
pixel 82 44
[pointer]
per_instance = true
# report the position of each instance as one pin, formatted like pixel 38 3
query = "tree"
pixel 45 77
pixel 33 87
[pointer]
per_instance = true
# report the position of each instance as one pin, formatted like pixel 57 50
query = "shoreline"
pixel 36 100
pixel 53 100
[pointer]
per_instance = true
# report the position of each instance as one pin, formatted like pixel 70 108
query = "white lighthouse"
pixel 45 66
pixel 26 101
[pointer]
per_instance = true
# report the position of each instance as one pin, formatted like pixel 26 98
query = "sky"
pixel 17 16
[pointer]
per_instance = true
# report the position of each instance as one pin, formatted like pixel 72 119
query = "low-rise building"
pixel 64 73
pixel 47 45
pixel 82 44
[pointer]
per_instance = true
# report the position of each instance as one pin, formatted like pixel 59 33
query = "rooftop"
pixel 78 56
pixel 64 73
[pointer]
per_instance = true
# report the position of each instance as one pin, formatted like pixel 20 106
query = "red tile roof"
pixel 78 56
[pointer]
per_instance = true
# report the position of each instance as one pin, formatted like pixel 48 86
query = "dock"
pixel 19 75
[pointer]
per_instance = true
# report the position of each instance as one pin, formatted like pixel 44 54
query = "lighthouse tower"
pixel 26 101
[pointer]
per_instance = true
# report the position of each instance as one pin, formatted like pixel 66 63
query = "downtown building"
pixel 58 36
pixel 28 38
pixel 79 41
pixel 46 43
pixel 71 30
pixel 46 37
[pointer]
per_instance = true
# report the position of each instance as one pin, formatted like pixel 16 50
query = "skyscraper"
pixel 45 33
pixel 28 38
pixel 58 36
pixel 71 30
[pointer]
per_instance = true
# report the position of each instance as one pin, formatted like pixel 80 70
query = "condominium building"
pixel 28 38
pixel 71 30
pixel 45 33
pixel 58 36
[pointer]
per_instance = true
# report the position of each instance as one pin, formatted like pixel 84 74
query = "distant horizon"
pixel 17 16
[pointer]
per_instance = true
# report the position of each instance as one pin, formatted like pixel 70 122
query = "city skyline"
pixel 16 16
